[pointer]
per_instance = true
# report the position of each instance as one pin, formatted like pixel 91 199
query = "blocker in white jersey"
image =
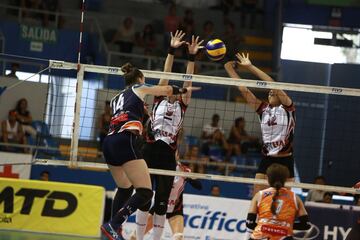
pixel 277 119
pixel 167 119
pixel 277 127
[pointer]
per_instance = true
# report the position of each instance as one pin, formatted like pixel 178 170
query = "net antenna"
pixel 79 87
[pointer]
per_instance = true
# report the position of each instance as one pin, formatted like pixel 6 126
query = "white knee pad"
pixel 178 236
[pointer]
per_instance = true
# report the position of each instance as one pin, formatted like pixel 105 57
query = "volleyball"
pixel 215 49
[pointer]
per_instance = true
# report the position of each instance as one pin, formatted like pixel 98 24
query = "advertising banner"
pixel 208 218
pixel 211 218
pixel 15 165
pixel 51 207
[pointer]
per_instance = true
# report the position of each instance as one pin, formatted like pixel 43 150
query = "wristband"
pixel 177 90
pixel 171 50
pixel 191 57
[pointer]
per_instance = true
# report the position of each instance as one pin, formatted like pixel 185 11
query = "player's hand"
pixel 243 60
pixel 193 89
pixel 195 45
pixel 176 40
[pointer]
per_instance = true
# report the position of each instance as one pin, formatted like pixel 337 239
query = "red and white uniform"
pixel 277 128
pixel 166 120
pixel 177 188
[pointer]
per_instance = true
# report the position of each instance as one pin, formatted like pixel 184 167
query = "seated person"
pixel 316 195
pixel 23 116
pixel 217 147
pixel 209 129
pixel 197 162
pixel 239 140
pixel 12 132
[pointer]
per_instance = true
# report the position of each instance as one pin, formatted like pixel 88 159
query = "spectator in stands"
pixel 29 5
pixel 188 19
pixel 12 132
pixel 215 191
pixel 209 129
pixel 45 176
pixel 248 9
pixel 239 140
pixel 14 69
pixel 197 162
pixel 52 6
pixel 327 197
pixel 148 39
pixel 208 31
pixel 217 148
pixel 357 200
pixel 316 195
pixel 171 23
pixel 23 116
pixel 125 36
pixel 104 123
pixel 231 39
pixel 207 34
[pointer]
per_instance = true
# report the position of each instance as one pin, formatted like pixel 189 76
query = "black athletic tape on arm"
pixel 303 224
pixel 191 57
pixel 251 221
pixel 178 90
pixel 171 51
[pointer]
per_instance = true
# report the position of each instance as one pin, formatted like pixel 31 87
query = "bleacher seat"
pixel 192 141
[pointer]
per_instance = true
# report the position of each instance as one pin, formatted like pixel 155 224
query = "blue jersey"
pixel 127 111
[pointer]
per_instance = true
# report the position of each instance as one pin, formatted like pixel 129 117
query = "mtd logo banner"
pixel 51 207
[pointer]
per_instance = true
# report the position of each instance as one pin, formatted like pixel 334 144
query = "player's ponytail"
pixel 277 186
pixel 277 175
pixel 131 74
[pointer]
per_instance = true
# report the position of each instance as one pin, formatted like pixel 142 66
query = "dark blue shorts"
pixel 266 162
pixel 121 147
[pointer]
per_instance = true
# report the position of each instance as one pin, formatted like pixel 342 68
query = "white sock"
pixel 141 221
pixel 178 236
pixel 248 234
pixel 159 221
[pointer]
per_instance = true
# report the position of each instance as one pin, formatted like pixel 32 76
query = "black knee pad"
pixel 126 192
pixel 160 207
pixel 122 195
pixel 146 207
pixel 144 194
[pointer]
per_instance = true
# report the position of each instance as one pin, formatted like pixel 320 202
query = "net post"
pixel 76 122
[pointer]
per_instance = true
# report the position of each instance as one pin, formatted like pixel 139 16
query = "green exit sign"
pixel 38 34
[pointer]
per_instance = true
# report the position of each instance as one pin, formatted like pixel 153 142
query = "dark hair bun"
pixel 127 67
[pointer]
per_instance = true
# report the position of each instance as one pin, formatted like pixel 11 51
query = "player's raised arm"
pixel 193 49
pixel 175 42
pixel 250 98
pixel 244 61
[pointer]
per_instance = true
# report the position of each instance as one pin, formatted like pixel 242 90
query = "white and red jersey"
pixel 167 119
pixel 277 128
pixel 177 188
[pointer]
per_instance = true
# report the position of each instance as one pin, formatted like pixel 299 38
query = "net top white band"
pixel 214 80
pixel 104 167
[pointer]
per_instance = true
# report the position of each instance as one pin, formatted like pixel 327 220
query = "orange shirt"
pixel 275 227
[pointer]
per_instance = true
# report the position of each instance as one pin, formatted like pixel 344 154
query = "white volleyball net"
pixel 325 129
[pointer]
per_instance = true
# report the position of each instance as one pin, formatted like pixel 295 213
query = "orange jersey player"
pixel 276 209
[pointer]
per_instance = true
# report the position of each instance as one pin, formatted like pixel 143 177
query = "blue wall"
pixel 339 116
pixel 66 47
pixel 298 11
